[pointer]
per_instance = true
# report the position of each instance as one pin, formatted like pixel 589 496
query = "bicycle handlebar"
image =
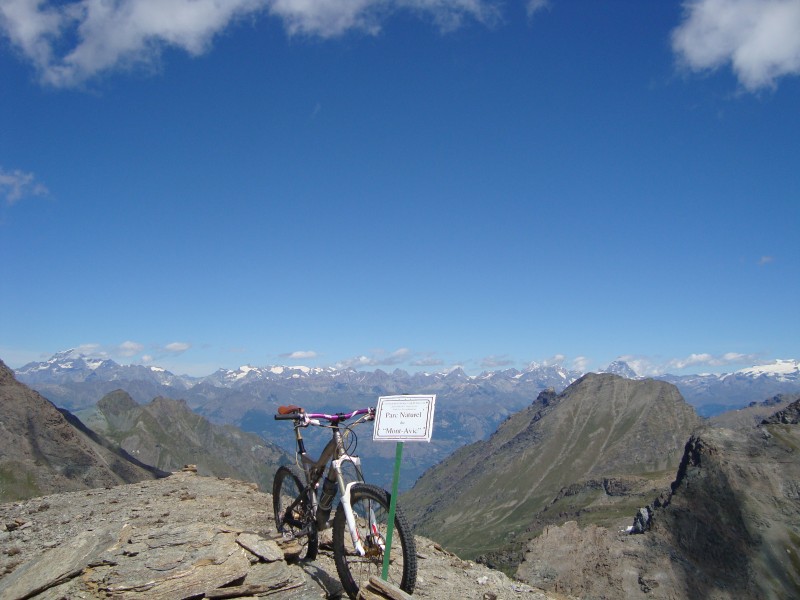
pixel 295 413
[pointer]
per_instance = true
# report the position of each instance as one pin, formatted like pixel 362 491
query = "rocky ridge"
pixel 43 450
pixel 729 529
pixel 788 416
pixel 165 433
pixel 751 415
pixel 188 536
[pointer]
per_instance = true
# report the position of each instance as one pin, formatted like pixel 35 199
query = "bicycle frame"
pixel 334 452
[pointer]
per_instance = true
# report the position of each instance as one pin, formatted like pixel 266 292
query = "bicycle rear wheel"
pixel 371 511
pixel 293 514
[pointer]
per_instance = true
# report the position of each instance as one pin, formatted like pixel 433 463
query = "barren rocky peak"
pixel 43 450
pixel 730 529
pixel 189 536
pixel 789 415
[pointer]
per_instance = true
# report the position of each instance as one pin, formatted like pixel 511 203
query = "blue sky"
pixel 401 184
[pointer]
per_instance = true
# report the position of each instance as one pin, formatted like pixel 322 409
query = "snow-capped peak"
pixel 621 368
pixel 779 368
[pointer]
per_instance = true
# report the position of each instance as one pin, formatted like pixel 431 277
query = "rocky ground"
pixel 188 536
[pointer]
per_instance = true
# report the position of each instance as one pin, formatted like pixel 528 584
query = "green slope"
pixel 601 426
pixel 165 433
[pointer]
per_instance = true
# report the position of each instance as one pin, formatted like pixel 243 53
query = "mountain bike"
pixel 303 500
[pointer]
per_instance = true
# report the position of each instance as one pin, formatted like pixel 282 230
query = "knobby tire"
pixel 286 489
pixel 354 570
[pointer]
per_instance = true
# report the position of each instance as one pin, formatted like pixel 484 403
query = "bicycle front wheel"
pixel 371 511
pixel 293 514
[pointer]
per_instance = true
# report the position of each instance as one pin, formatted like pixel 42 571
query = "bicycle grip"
pixel 290 417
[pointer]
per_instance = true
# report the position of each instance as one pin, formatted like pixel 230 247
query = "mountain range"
pixel 468 407
pixel 547 494
pixel 71 371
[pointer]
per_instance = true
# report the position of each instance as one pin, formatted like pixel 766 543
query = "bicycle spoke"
pixel 370 507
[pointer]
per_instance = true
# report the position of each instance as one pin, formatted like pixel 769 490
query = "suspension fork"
pixel 345 501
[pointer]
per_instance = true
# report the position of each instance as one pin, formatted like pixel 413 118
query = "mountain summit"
pixel 602 435
pixel 621 368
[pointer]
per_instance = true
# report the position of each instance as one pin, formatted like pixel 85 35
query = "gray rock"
pixel 266 550
pixel 788 416
pixel 641 521
pixel 55 566
pixel 143 541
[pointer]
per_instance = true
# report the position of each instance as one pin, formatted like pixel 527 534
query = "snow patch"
pixel 779 367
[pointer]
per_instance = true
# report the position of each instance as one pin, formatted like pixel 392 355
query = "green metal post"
pixel 392 505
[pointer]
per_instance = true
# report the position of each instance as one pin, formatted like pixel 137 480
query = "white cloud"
pixel 93 350
pixel 16 185
pixel 427 361
pixel 328 18
pixel 641 365
pixel 300 355
pixel 704 359
pixel 129 348
pixel 71 42
pixel 177 347
pixel 492 363
pixel 760 39
pixel 534 6
pixel 649 367
pixel 709 360
pixel 379 358
pixel 580 363
pixel 31 27
pixel 556 359
pixel 690 361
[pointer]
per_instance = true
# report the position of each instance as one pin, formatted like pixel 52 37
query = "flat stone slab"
pixel 266 550
pixel 56 565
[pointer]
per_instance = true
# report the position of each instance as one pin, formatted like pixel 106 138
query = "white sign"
pixel 404 419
